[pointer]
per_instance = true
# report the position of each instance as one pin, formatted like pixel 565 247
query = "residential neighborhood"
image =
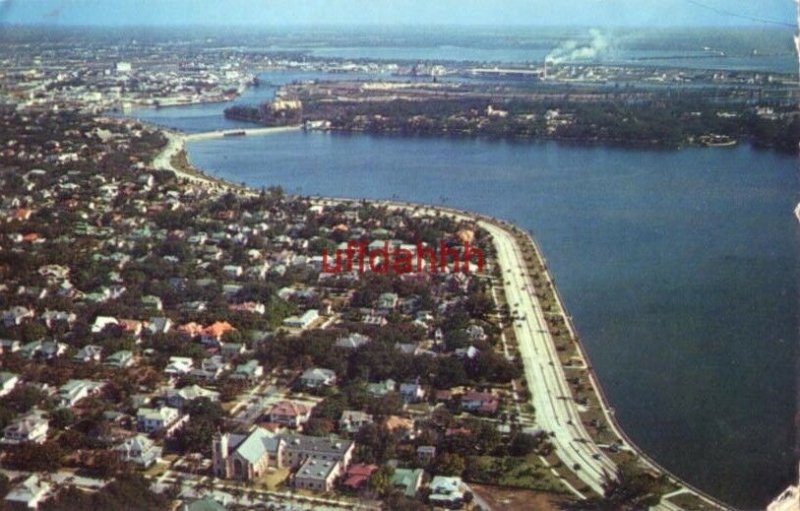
pixel 178 324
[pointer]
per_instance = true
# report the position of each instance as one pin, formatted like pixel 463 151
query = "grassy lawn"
pixel 156 470
pixel 691 503
pixel 274 478
pixel 529 473
pixel 568 474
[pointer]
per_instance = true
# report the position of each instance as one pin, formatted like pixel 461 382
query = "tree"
pixel 523 444
pixel 630 489
pixel 448 464
pixel 61 418
pixel 129 492
pixel 34 457
pixel 33 331
pixel 318 427
pixel 381 480
pixel 5 485
pixel 206 417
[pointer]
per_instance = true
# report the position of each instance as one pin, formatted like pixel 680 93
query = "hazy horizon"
pixel 401 13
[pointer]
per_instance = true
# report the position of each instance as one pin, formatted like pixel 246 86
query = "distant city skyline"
pixel 271 13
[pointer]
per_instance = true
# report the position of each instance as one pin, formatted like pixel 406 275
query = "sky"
pixel 595 13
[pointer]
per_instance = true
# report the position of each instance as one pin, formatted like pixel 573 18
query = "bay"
pixel 678 267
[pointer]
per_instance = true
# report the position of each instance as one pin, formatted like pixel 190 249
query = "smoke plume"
pixel 797 38
pixel 572 50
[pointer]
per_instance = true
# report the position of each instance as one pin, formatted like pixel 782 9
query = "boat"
pixel 239 133
pixel 717 141
pixel 797 212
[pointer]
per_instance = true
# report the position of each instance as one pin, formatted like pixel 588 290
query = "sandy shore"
pixel 176 142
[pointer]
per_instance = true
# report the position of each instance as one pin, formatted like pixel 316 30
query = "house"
pixel 353 420
pixel 31 427
pixel 289 413
pixel 476 333
pixel 317 377
pixel 442 396
pixel 7 382
pixel 159 325
pixel 317 474
pixel 212 334
pixel 52 349
pixel 179 398
pixel 470 352
pixel 152 302
pixel 407 480
pixel 139 450
pixel 9 345
pixel 352 341
pixel 89 353
pixel 150 420
pixel 382 388
pixel 101 322
pixel 412 392
pixel 191 329
pixel 358 475
pixel 250 371
pixel 374 320
pixel 131 327
pixel 426 453
pixel 121 359
pixel 484 403
pixel 231 350
pixel 446 491
pixel 204 504
pixel 211 368
pixel 232 270
pixel 44 350
pixel 179 366
pixel 73 391
pixel 396 423
pixel 53 318
pixel 387 302
pixel 28 494
pixel 251 307
pixel 303 321
pixel 407 348
pixel 16 315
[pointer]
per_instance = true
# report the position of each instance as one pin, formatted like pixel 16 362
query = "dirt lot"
pixel 510 499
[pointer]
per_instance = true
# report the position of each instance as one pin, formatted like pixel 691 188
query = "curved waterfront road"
pixel 556 411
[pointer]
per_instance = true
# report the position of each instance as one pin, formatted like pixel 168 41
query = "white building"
pixel 303 321
pixel 31 427
pixel 150 420
pixel 28 494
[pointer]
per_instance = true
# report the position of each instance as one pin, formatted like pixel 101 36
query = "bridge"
pixel 208 135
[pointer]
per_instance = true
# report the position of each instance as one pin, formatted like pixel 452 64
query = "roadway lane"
pixel 556 411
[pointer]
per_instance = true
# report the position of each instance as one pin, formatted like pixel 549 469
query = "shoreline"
pixel 176 144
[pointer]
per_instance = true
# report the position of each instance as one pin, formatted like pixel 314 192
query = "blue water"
pixel 693 59
pixel 679 268
pixel 209 117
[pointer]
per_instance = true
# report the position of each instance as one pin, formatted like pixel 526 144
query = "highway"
pixel 556 411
